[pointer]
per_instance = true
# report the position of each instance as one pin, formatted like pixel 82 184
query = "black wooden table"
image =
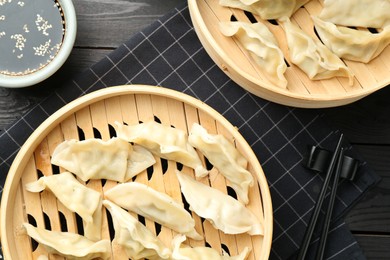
pixel 103 25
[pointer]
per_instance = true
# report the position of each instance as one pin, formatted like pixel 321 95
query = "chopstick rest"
pixel 317 208
pixel 322 160
pixel 319 159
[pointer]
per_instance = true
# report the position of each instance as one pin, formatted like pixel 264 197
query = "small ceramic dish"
pixel 36 38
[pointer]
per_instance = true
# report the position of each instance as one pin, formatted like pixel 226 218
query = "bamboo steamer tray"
pixel 301 91
pixel 93 116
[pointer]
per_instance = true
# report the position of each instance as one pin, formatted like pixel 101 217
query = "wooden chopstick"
pixel 320 200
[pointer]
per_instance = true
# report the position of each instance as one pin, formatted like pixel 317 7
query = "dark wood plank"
pixel 374 247
pixel 108 23
pixel 16 102
pixel 366 121
pixel 372 213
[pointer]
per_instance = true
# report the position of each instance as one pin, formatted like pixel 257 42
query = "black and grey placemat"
pixel 169 54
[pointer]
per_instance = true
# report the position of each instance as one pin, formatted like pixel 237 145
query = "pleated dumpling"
pixel 70 245
pixel 261 44
pixel 311 56
pixel 137 241
pixel 154 205
pixel 86 202
pixel 357 13
pixel 74 195
pixel 266 9
pixel 194 253
pixel 139 159
pixel 223 155
pixel 351 44
pixel 164 141
pixel 94 158
pixel 224 212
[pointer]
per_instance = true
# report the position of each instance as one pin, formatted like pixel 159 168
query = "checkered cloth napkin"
pixel 169 54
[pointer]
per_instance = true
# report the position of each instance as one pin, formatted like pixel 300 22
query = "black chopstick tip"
pixel 317 208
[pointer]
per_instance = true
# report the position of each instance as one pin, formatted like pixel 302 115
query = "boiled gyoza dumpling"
pixel 164 141
pixel 154 205
pixel 357 13
pixel 311 56
pixel 262 46
pixel 224 212
pixel 139 160
pixel 266 9
pixel 201 253
pixel 70 245
pixel 138 241
pixel 93 230
pixel 94 158
pixel 225 157
pixel 347 43
pixel 76 197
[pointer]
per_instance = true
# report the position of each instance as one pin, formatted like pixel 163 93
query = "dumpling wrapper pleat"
pixel 67 189
pixel 191 253
pixel 137 241
pixel 362 13
pixel 351 44
pixel 311 56
pixel 225 157
pixel 76 197
pixel 266 9
pixel 70 245
pixel 163 141
pixel 139 160
pixel 93 158
pixel 224 212
pixel 262 46
pixel 154 205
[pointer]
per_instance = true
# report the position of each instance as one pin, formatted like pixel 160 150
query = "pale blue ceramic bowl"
pixel 70 28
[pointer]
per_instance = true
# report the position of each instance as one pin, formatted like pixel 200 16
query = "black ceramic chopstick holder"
pixel 317 208
pixel 321 160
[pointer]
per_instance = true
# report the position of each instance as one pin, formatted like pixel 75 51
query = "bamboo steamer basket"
pixel 301 91
pixel 93 116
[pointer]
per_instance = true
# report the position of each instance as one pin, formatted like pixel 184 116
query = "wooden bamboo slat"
pixel 94 116
pixel 235 61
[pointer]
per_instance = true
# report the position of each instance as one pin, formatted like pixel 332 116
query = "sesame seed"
pixel 25 28
pixel 43 49
pixel 30 38
pixel 3 2
pixel 20 40
pixel 42 25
